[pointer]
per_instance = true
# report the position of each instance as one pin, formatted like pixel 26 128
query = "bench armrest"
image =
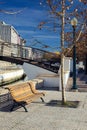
pixel 33 88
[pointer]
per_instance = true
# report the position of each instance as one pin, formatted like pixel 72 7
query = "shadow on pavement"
pixel 58 103
pixel 8 108
pixel 49 88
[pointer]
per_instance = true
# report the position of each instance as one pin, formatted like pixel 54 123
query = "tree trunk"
pixel 62 53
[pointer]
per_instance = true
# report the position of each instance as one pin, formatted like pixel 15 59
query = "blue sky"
pixel 26 22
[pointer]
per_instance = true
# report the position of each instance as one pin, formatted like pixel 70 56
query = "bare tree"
pixel 64 11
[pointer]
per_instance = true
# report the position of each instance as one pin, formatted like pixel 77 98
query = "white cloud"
pixel 45 36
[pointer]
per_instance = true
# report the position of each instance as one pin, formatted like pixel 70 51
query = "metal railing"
pixel 15 50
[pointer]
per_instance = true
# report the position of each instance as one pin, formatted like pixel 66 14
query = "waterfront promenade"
pixel 48 116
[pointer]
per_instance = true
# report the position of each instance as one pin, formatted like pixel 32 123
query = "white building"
pixel 27 52
pixel 37 54
pixel 9 35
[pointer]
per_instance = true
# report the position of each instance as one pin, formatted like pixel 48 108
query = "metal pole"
pixel 74 59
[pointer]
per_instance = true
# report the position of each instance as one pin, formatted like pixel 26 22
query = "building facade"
pixel 9 35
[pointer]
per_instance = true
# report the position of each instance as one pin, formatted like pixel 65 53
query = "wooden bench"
pixel 24 93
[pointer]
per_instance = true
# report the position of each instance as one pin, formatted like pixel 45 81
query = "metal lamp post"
pixel 74 24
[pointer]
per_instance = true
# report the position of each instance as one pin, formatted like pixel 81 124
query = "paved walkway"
pixel 48 116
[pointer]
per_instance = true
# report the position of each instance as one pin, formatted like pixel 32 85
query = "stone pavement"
pixel 46 116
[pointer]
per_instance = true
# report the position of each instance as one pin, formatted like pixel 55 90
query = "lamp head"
pixel 74 22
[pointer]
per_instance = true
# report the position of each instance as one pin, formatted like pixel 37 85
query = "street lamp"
pixel 74 24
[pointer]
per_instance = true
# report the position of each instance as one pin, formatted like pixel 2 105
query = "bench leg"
pixel 24 107
pixel 42 99
pixel 18 104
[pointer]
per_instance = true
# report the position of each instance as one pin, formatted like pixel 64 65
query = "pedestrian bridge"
pixel 20 54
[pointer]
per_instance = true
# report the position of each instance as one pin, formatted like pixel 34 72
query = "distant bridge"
pixel 20 54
